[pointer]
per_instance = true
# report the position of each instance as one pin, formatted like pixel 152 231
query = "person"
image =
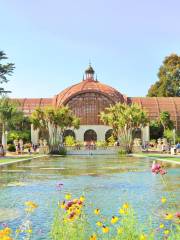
pixel 1 150
pixel 178 147
pixel 29 150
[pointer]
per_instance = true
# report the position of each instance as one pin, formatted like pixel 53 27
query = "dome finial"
pixel 89 62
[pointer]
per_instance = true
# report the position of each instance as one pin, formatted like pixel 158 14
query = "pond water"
pixel 106 181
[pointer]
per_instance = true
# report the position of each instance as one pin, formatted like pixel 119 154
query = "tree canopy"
pixel 56 121
pixel 124 119
pixel 6 69
pixel 10 115
pixel 168 84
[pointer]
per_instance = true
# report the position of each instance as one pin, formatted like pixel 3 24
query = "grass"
pixel 14 158
pixel 175 158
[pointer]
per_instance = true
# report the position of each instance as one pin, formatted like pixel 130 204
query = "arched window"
pixel 90 135
pixel 69 132
pixel 108 134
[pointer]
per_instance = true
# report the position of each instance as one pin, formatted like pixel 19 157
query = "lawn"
pixel 175 158
pixel 13 159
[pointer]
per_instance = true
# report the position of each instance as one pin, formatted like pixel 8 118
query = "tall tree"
pixel 6 69
pixel 168 84
pixel 124 119
pixel 56 121
pixel 165 120
pixel 9 115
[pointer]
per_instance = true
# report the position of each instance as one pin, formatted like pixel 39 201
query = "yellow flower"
pixel 114 219
pixel 125 206
pixel 7 231
pixel 6 238
pixel 93 237
pixel 161 225
pixel 166 232
pixel 97 211
pixel 82 198
pixel 105 229
pixel 120 230
pixel 75 200
pixel 168 216
pixel 143 237
pixel 68 196
pixel 122 211
pixel 163 200
pixel 62 205
pixel 99 224
pixel 31 204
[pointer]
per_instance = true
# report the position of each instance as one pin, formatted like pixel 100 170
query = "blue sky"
pixel 51 42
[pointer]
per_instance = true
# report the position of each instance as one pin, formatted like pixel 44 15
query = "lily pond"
pixel 105 181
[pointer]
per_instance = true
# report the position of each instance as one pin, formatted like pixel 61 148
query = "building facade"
pixel 89 97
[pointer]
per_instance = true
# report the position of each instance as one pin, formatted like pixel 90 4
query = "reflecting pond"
pixel 106 181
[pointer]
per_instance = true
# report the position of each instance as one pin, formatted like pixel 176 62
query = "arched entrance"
pixel 137 133
pixel 90 135
pixel 108 134
pixel 69 132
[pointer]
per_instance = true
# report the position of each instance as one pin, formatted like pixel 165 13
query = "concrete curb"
pixel 21 160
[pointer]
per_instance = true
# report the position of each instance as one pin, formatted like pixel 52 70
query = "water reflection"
pixel 107 181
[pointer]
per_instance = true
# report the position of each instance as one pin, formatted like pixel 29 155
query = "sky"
pixel 52 41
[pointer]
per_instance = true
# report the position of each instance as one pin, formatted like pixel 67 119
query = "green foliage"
pixel 101 144
pixel 16 135
pixel 124 119
pixel 168 84
pixel 122 151
pixel 10 116
pixel 69 141
pixel 157 127
pixel 55 121
pixel 5 70
pixel 11 148
pixel 111 141
pixel 156 130
pixel 60 151
pixel 169 134
pixel 165 120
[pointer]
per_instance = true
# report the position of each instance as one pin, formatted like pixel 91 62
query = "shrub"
pixel 122 151
pixel 101 144
pixel 16 135
pixel 169 134
pixel 111 141
pixel 61 151
pixel 11 148
pixel 69 141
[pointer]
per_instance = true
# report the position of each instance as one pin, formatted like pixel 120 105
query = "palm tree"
pixel 124 119
pixel 56 121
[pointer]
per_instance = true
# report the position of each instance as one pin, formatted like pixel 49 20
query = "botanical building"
pixel 89 97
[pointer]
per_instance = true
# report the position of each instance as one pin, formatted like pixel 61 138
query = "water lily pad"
pixel 8 214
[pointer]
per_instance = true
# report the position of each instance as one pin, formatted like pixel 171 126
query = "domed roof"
pixel 87 86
